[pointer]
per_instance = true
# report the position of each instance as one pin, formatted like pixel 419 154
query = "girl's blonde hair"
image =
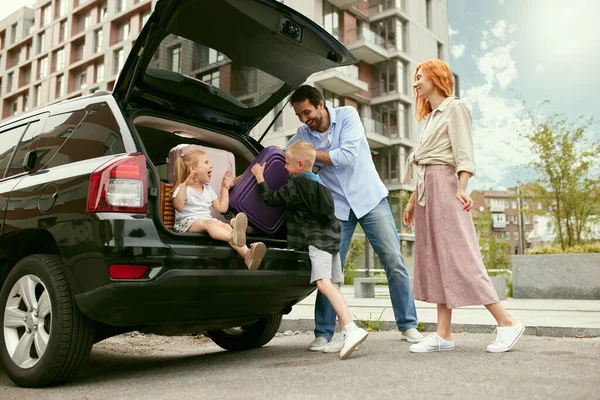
pixel 182 164
pixel 441 76
pixel 302 150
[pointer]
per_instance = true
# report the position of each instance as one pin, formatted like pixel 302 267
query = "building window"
pixel 14 107
pixel 121 5
pixel 211 78
pixel 331 19
pixel 516 235
pixel 83 80
pixel 176 59
pixel 80 51
pixel 386 119
pixel 389 77
pixel 123 32
pixel 387 163
pixel 41 42
pixel 60 86
pixel 514 204
pixel 214 56
pixel 26 102
pixel 119 60
pixel 62 34
pixel 59 60
pixel 98 36
pixel 103 12
pixel 440 51
pixel 144 19
pixel 10 82
pixel 428 14
pixel 507 236
pixel 99 73
pixel 13 33
pixel 391 32
pixel 43 67
pixel 47 15
pixel 332 99
pixel 37 93
pixel 62 7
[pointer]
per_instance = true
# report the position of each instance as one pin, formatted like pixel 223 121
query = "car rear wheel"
pixel 44 337
pixel 247 337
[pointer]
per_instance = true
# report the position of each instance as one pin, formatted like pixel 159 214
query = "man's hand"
pixel 258 171
pixel 227 180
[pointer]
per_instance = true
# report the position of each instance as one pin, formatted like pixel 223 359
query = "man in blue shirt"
pixel 360 196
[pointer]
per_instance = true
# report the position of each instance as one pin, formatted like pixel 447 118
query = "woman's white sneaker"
pixel 506 338
pixel 433 342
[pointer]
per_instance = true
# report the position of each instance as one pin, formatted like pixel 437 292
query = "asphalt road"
pixel 135 366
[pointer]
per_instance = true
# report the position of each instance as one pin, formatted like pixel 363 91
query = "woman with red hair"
pixel 448 268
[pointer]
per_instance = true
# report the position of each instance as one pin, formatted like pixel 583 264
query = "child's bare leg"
pixel 337 300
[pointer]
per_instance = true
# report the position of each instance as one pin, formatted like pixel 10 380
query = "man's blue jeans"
pixel 380 228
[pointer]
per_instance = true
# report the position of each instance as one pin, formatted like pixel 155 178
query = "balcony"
pixel 341 80
pixel 497 208
pixel 498 224
pixel 368 47
pixel 378 134
pixel 344 4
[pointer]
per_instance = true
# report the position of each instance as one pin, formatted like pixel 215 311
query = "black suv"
pixel 85 252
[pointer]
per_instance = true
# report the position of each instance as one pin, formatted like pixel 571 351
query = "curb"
pixel 548 331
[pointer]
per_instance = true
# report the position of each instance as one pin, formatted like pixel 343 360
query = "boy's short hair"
pixel 302 150
pixel 307 92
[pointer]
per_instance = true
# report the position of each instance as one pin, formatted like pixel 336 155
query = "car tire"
pixel 247 337
pixel 44 337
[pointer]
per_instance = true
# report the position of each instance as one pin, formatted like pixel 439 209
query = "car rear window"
pixel 241 85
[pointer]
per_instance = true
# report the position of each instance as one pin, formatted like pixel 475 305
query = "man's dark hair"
pixel 306 92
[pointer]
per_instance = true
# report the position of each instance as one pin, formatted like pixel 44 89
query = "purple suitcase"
pixel 245 195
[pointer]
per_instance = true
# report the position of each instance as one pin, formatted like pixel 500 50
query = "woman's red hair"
pixel 441 76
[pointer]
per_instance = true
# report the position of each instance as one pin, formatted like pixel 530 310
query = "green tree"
pixel 565 161
pixel 493 251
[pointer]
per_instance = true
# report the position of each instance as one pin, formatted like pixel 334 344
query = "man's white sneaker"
pixel 431 343
pixel 353 339
pixel 506 337
pixel 411 335
pixel 337 343
pixel 318 344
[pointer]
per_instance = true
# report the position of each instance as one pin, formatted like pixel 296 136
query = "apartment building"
pixel 513 215
pixel 390 38
pixel 63 49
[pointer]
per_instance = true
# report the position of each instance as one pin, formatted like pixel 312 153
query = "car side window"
pixel 79 135
pixel 27 144
pixel 8 142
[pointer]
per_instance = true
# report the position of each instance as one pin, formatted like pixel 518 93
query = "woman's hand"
pixel 465 199
pixel 409 214
pixel 227 181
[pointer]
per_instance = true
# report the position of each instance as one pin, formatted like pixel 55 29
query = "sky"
pixel 507 50
pixel 535 50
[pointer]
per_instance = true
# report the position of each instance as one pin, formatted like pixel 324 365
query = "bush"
pixel 585 248
pixel 357 250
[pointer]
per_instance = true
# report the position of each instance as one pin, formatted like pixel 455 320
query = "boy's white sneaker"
pixel 506 338
pixel 432 342
pixel 411 335
pixel 353 339
pixel 318 344
pixel 337 343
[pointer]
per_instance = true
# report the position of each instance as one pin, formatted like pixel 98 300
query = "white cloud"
pixel 499 30
pixel 458 50
pixel 539 69
pixel 498 65
pixel 452 32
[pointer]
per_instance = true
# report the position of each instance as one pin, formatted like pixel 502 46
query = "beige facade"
pixel 63 49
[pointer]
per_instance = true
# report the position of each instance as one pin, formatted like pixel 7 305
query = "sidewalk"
pixel 562 318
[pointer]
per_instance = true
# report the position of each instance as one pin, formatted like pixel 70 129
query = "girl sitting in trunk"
pixel 192 199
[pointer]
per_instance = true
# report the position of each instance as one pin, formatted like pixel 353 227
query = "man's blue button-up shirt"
pixel 353 180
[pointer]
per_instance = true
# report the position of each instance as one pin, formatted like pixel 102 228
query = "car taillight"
pixel 120 186
pixel 127 271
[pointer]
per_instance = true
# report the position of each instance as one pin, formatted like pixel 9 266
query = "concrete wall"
pixel 556 276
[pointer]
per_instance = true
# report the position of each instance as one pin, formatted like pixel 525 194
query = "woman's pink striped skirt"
pixel 448 264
